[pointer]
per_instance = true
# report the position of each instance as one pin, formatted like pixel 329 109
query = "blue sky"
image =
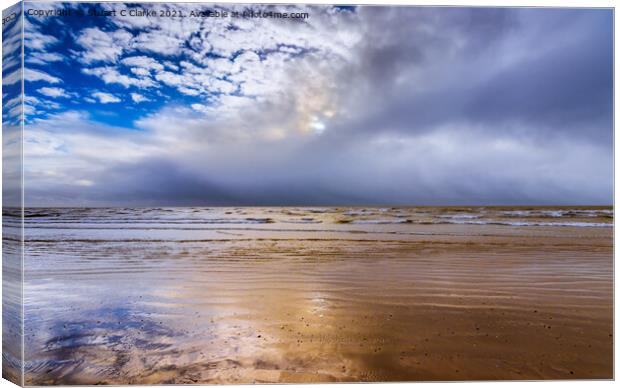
pixel 354 105
pixel 83 48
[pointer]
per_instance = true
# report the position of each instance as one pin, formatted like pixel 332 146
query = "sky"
pixel 349 106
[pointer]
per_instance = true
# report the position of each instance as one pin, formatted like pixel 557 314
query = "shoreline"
pixel 145 302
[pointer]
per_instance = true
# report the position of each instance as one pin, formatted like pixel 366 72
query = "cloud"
pixel 159 42
pixel 33 105
pixel 136 97
pixel 36 40
pixel 12 102
pixel 383 105
pixel 42 58
pixel 12 43
pixel 105 98
pixel 33 75
pixel 53 92
pixel 12 78
pixel 207 74
pixel 102 46
pixel 110 75
pixel 142 61
pixel 200 108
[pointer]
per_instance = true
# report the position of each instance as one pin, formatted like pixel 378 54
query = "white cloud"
pixel 37 41
pixel 69 149
pixel 171 79
pixel 140 71
pixel 136 97
pixel 200 108
pixel 15 112
pixel 188 91
pixel 53 92
pixel 159 42
pixel 110 75
pixel 12 78
pixel 33 75
pixel 184 83
pixel 12 42
pixel 106 98
pixel 205 75
pixel 142 61
pixel 13 102
pixel 171 66
pixel 41 103
pixel 10 61
pixel 34 39
pixel 42 58
pixel 28 109
pixel 101 45
pixel 32 100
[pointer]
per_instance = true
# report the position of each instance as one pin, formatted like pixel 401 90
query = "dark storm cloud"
pixel 562 84
pixel 567 89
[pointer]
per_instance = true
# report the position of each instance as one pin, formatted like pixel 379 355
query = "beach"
pixel 333 294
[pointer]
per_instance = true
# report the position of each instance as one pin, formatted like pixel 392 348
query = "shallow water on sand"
pixel 226 295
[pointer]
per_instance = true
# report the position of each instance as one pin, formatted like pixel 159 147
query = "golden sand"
pixel 440 302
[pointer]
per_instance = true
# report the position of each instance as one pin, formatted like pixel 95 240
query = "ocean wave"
pixel 559 213
pixel 380 221
pixel 532 223
pixel 306 220
pixel 460 216
pixel 162 221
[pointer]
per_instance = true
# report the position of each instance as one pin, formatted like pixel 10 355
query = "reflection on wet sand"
pixel 280 303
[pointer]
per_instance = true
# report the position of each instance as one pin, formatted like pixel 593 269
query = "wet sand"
pixel 319 304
